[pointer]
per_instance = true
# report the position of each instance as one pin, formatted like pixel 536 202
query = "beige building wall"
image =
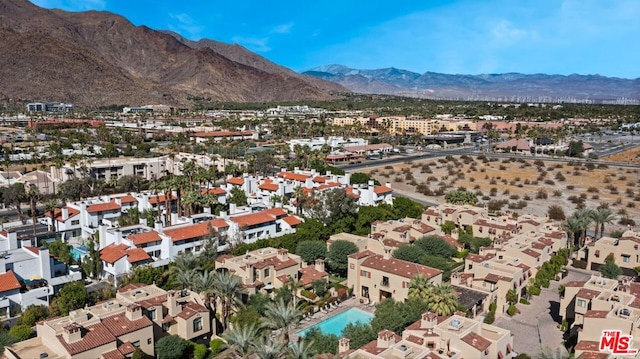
pixel 144 337
pixel 625 252
pixel 185 327
pixel 363 243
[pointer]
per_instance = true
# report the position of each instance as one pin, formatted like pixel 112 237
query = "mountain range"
pixel 98 58
pixel 395 81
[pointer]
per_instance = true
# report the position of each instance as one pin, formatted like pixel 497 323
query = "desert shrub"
pixel 557 193
pixel 541 194
pixel 570 187
pixel 626 221
pixel 560 177
pixel 514 197
pixel 511 310
pixel 549 182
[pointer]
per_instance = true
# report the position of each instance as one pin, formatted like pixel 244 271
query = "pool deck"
pixel 320 316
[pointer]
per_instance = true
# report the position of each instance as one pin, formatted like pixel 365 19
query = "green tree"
pixel 576 149
pixel 361 178
pixel 447 227
pixel 610 269
pixel 435 246
pixel 319 287
pixel 245 316
pixel 91 263
pixel 33 314
pixel 409 253
pixel 405 207
pixel 282 316
pixel 240 339
pixel 461 197
pixel 171 347
pixel 338 255
pixel 20 332
pixel 359 334
pixel 72 296
pixel 443 300
pixel 301 349
pixel 435 262
pixel 238 197
pixel 311 250
pixel 512 296
pixel 331 206
pixel 601 216
pixel 269 348
pixel 556 213
pixel 322 343
pixel 420 288
pixel 228 289
pixel 60 250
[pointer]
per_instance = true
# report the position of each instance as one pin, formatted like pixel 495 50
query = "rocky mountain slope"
pixel 510 85
pixel 99 58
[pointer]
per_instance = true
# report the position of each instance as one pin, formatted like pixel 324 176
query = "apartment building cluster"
pixel 267 269
pixel 136 318
pixel 520 246
pixel 597 305
pixel 623 251
pixel 437 337
pixel 407 125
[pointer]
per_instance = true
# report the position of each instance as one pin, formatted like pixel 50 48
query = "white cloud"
pixel 504 31
pixel 185 25
pixel 257 44
pixel 282 29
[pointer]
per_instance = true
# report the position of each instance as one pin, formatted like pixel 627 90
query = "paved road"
pixel 536 327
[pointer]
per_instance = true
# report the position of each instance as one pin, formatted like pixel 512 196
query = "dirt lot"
pixel 632 155
pixel 526 185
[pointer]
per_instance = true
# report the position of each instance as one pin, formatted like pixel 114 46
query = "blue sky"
pixel 464 36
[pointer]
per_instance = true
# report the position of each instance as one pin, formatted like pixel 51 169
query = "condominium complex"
pixel 267 269
pixel 138 316
pixel 600 304
pixel 437 337
pixel 409 125
pixel 623 251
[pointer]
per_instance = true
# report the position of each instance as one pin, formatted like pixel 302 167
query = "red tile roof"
pixel 131 286
pixel 235 180
pixel 350 192
pixel 596 314
pixel 112 253
pixel 34 250
pixel 587 293
pixel 153 199
pixel 120 325
pixel 136 255
pixel 57 213
pixel 127 199
pixel 276 263
pixel 587 345
pixel 309 273
pixel 399 267
pixel 382 189
pixel 194 230
pixel 531 253
pixel 8 281
pixel 476 341
pixel 144 238
pixel 103 207
pixel 93 337
pixel 293 176
pixel 575 283
pixel 320 179
pixel 292 220
pixel 215 191
pixel 190 309
pixel 262 217
pixel 269 187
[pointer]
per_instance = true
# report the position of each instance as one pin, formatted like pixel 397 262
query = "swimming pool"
pixel 79 251
pixel 335 324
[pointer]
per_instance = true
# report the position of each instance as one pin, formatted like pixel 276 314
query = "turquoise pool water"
pixel 79 251
pixel 335 324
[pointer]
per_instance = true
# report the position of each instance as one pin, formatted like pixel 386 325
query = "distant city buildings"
pixel 49 107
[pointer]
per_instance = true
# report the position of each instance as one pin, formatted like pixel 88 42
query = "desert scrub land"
pixel 632 156
pixel 520 185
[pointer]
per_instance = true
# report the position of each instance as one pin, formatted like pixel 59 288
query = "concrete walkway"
pixel 536 326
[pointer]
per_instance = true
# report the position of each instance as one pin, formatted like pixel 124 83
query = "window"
pixel 385 282
pixel 136 344
pixel 625 258
pixel 581 303
pixel 151 314
pixel 165 327
pixel 75 223
pixel 197 324
pixel 266 272
pixel 149 341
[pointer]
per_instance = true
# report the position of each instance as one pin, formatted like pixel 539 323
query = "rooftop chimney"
pixel 343 345
pixel 429 320
pixel 386 339
pixel 134 312
pixel 319 265
pixel 283 254
pixel 118 201
pixel 158 226
pixel 65 213
pixel 172 303
pixel 72 333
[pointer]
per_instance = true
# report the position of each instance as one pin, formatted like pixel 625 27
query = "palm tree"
pixel 298 193
pixel 420 288
pixel 600 216
pixel 183 272
pixel 283 316
pixel 572 227
pixel 34 196
pixel 203 283
pixel 228 288
pixel 583 217
pixel 51 206
pixel 241 338
pixel 443 300
pixel 267 348
pixel 302 349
